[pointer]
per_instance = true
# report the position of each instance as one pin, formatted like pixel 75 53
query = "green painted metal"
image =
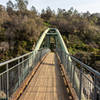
pixel 41 40
pixel 56 35
pixel 62 42
pixel 59 44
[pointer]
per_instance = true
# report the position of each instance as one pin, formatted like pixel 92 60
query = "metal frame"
pixel 84 74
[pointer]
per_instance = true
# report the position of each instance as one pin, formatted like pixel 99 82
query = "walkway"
pixel 47 83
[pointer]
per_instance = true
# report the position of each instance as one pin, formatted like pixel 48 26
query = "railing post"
pixel 71 72
pixel 41 55
pixel 35 58
pixel 61 56
pixel 65 60
pixel 80 89
pixel 7 80
pixel 22 68
pixel 95 90
pixel 68 64
pixel 19 71
pixel 28 64
pixel 32 59
pixel 0 82
pixel 73 76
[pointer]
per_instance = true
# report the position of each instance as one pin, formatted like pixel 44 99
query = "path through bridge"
pixel 47 83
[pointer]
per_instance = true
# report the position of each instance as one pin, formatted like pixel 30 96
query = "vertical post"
pixel 56 42
pixel 67 65
pixel 37 56
pixel 35 59
pixel 80 89
pixel 95 90
pixel 22 68
pixel 7 80
pixel 40 54
pixel 19 71
pixel 32 58
pixel 73 76
pixel 49 42
pixel 71 72
pixel 0 81
pixel 64 60
pixel 61 56
pixel 28 63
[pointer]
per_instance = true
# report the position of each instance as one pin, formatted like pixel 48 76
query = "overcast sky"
pixel 92 6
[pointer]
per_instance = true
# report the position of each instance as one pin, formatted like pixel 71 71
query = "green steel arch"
pixel 51 32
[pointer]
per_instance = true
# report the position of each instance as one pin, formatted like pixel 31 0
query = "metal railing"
pixel 16 70
pixel 84 79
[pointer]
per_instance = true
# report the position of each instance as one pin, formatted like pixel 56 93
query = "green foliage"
pixel 21 28
pixel 21 5
pixel 87 53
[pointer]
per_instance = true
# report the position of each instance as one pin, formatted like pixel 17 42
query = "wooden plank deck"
pixel 47 83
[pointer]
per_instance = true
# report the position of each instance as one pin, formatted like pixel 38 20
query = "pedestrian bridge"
pixel 49 72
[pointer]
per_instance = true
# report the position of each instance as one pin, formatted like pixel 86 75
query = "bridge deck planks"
pixel 47 83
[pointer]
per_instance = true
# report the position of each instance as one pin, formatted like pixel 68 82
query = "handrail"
pixel 78 76
pixel 15 66
pixel 85 66
pixel 13 75
pixel 13 59
pixel 16 58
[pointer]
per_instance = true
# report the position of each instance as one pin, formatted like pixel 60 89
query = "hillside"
pixel 81 32
pixel 20 28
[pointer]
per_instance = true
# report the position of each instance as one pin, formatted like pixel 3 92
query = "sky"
pixel 93 6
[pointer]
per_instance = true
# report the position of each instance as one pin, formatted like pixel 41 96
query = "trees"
pixel 10 7
pixel 47 14
pixel 21 5
pixel 10 4
pixel 33 9
pixel 19 27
